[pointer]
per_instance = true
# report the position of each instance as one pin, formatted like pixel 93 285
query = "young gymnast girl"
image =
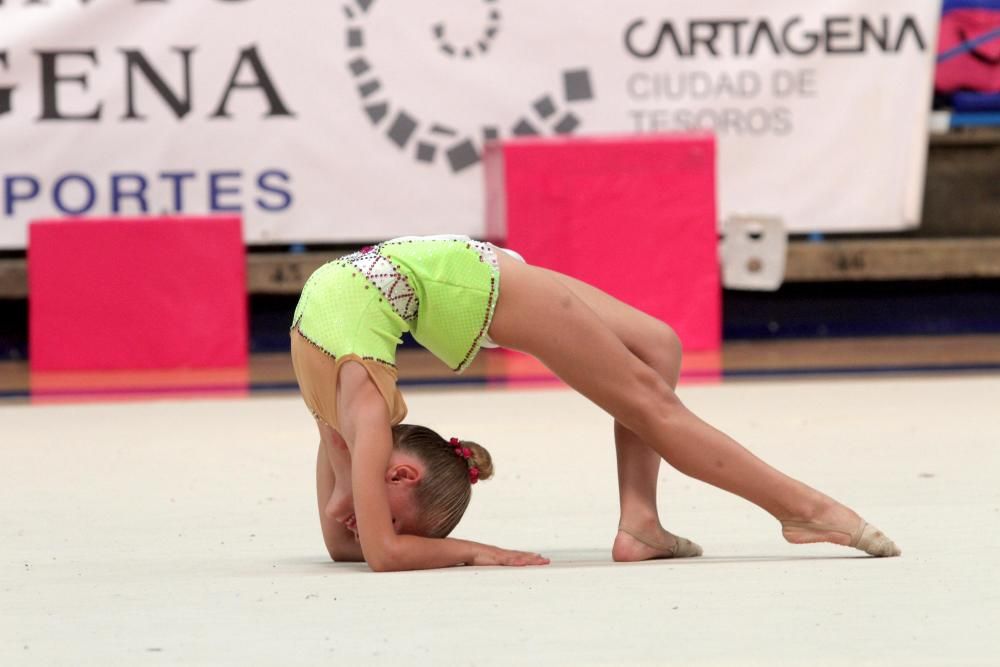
pixel 390 493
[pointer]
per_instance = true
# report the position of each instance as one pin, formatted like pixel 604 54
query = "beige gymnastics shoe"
pixel 681 548
pixel 866 537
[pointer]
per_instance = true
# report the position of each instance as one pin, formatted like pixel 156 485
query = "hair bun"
pixel 480 458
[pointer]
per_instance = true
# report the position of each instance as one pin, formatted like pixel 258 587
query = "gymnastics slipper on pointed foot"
pixel 873 541
pixel 681 548
pixel 867 537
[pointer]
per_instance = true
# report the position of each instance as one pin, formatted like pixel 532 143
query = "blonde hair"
pixel 445 490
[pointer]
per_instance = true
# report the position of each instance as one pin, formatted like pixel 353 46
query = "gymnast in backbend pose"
pixel 390 493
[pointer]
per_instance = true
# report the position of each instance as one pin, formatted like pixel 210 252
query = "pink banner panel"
pixel 635 217
pixel 142 293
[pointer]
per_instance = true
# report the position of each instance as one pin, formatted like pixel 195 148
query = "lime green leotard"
pixel 442 289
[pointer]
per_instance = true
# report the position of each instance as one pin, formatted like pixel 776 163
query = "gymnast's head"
pixel 439 475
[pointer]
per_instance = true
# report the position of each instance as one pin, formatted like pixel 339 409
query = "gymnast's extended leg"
pixel 573 341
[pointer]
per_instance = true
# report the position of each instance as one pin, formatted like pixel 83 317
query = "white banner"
pixel 365 119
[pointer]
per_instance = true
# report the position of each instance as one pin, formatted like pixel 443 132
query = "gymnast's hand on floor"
pixel 496 556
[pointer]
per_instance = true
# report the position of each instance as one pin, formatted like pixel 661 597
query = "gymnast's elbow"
pixel 386 563
pixel 386 558
pixel 342 555
pixel 341 549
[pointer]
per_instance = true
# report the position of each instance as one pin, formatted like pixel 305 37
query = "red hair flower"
pixel 466 454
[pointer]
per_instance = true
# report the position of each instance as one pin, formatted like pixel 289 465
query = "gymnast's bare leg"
pixel 578 345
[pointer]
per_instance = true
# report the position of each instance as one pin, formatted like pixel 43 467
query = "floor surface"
pixel 185 532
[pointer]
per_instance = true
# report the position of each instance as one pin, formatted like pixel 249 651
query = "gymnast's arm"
pixel 340 542
pixel 364 419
